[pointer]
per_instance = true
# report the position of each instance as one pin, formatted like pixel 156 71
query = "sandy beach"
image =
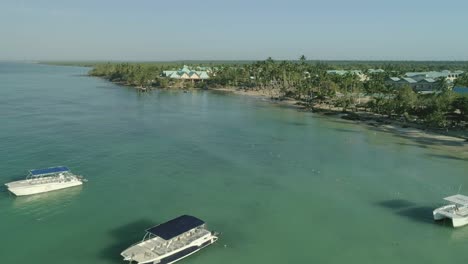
pixel 453 141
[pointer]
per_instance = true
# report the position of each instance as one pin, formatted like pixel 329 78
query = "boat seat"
pixel 159 251
pixel 463 212
pixel 156 247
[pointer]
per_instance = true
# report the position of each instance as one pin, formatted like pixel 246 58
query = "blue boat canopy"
pixel 175 227
pixel 52 170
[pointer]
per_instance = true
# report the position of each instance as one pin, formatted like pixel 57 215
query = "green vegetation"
pixel 142 75
pixel 309 83
pixel 462 81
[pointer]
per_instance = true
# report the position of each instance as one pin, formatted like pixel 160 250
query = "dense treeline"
pixel 129 73
pixel 462 80
pixel 309 83
pixel 401 66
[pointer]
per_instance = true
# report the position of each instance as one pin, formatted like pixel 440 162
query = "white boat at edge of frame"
pixel 457 210
pixel 171 241
pixel 45 180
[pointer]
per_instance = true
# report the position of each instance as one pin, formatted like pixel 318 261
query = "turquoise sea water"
pixel 282 186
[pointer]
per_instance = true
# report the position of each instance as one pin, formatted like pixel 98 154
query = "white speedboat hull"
pixel 187 252
pixel 19 188
pixel 461 221
pixel 451 212
pixel 443 212
pixel 140 254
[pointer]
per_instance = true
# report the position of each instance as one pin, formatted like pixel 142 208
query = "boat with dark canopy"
pixel 171 241
pixel 45 180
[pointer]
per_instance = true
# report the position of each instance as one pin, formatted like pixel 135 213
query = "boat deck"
pixel 41 180
pixel 156 247
pixel 462 212
pixel 453 212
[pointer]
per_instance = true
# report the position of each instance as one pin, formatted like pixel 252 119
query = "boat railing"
pixel 51 178
pixel 183 240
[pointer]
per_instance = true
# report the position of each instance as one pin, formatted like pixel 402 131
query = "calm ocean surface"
pixel 282 186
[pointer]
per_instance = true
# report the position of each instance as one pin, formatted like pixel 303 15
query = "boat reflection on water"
pixel 46 203
pixel 459 235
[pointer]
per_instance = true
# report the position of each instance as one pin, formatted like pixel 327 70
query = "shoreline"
pixel 422 136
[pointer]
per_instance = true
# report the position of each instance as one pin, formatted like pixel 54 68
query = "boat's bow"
pixel 139 254
pixel 81 178
pixel 444 212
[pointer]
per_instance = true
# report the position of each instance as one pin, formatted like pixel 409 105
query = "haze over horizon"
pixel 240 30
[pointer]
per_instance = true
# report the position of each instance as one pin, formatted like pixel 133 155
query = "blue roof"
pixel 461 90
pixel 52 170
pixel 175 227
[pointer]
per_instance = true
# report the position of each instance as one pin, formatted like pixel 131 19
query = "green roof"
pixel 176 74
pixel 204 75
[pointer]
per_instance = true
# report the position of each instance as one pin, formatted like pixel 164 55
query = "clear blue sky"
pixel 233 30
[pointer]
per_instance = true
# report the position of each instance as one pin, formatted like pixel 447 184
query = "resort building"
pixel 362 76
pixel 424 81
pixel 450 76
pixel 418 85
pixel 373 71
pixel 186 73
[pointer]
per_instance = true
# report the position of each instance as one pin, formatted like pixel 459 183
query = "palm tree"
pixel 442 85
pixel 303 59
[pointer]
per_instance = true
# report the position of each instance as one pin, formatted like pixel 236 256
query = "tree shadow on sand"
pixel 431 141
pixel 411 145
pixel 299 124
pixel 410 211
pixel 123 237
pixel 346 130
pixel 446 157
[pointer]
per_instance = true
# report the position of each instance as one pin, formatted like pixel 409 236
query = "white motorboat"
pixel 457 210
pixel 171 241
pixel 45 180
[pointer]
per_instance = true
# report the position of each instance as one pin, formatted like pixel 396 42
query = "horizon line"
pixel 230 60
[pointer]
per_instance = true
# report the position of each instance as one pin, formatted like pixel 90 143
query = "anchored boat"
pixel 457 210
pixel 45 180
pixel 171 241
